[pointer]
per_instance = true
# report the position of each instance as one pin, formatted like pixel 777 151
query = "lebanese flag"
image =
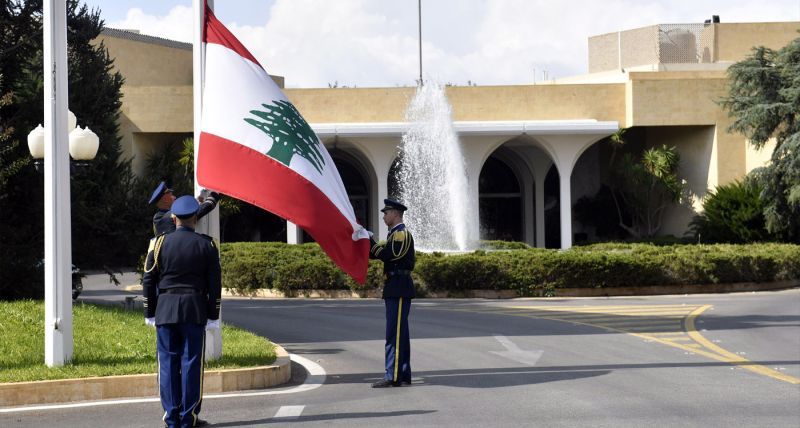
pixel 255 146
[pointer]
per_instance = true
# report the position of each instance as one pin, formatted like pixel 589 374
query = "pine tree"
pixel 764 101
pixel 109 218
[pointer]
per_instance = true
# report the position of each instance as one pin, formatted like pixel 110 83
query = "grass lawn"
pixel 108 341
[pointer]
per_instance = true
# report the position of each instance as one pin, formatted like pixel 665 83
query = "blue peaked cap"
pixel 158 193
pixel 391 204
pixel 185 206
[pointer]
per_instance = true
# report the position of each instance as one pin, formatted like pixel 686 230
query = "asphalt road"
pixel 669 361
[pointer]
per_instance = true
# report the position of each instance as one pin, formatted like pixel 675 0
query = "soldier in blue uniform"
pixel 163 198
pixel 182 287
pixel 397 254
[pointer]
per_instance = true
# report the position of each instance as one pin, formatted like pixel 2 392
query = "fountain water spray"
pixel 432 179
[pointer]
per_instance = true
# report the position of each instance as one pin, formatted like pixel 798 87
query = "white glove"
pixel 212 324
pixel 370 233
pixel 150 322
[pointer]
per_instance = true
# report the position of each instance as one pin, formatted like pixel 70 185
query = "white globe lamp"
pixel 36 142
pixel 83 144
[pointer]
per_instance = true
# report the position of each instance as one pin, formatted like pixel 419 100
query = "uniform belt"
pixel 179 290
pixel 398 272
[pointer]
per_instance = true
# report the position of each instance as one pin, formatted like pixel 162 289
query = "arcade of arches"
pixel 507 204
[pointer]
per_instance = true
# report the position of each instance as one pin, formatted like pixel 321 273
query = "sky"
pixel 370 43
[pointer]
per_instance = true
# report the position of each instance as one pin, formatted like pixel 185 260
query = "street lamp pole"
pixel 57 242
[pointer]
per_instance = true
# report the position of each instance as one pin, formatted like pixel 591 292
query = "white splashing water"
pixel 432 177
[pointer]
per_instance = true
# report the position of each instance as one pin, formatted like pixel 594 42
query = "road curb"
pixel 143 385
pixel 511 294
pixel 652 290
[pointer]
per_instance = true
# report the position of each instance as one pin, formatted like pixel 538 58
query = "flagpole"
pixel 210 223
pixel 58 344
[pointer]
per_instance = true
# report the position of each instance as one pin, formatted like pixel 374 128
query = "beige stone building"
pixel 530 150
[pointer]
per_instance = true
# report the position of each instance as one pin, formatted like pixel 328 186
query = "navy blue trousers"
pixel 398 343
pixel 181 349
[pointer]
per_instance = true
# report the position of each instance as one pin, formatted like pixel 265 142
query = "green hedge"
pixel 528 271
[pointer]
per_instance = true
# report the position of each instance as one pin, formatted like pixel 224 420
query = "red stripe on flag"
pixel 245 174
pixel 215 32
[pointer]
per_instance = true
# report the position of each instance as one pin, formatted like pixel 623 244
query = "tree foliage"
pixel 645 186
pixel 764 103
pixel 10 162
pixel 733 213
pixel 109 225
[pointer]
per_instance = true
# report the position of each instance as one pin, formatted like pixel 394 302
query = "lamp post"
pixel 58 341
pixel 83 145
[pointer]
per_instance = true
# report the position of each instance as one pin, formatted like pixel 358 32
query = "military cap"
pixel 391 204
pixel 159 192
pixel 185 206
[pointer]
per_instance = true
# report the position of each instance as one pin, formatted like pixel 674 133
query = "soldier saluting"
pixel 182 286
pixel 397 254
pixel 163 198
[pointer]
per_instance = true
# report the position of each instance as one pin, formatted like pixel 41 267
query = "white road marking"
pixel 315 379
pixel 513 352
pixel 289 412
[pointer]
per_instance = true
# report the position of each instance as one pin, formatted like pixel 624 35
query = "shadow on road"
pixel 479 378
pixel 516 376
pixel 325 417
pixel 355 321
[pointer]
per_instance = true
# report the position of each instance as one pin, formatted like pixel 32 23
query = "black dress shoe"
pixel 200 422
pixel 385 384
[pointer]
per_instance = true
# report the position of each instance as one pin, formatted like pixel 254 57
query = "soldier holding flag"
pixel 163 198
pixel 397 254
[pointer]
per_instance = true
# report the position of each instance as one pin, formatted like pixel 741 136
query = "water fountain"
pixel 432 178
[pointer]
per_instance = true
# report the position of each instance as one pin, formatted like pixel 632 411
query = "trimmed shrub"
pixel 309 274
pixel 530 272
pixel 733 213
pixel 504 245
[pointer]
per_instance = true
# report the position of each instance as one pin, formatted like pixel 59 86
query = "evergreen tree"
pixel 764 101
pixel 109 218
pixel 733 213
pixel 21 209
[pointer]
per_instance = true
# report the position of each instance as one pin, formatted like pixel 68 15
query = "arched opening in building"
pixel 552 209
pixel 356 183
pixel 393 179
pixel 500 202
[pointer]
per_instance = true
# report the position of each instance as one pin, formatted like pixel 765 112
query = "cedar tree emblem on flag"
pixel 289 132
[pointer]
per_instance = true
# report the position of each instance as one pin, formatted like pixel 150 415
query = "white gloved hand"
pixel 370 233
pixel 212 324
pixel 150 322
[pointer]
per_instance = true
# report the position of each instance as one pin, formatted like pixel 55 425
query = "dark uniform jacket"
pixel 397 253
pixel 162 219
pixel 182 282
